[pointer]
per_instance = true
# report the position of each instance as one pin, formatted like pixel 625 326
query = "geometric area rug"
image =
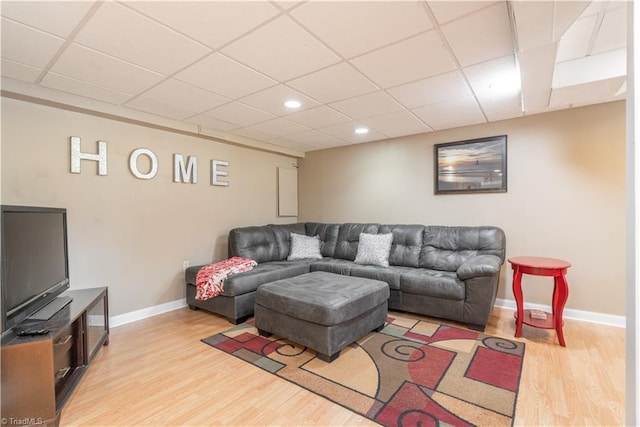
pixel 411 373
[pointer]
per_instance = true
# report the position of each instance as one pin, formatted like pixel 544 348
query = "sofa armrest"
pixel 481 265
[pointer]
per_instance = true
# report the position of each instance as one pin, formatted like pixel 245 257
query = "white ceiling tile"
pixel 102 70
pixel 285 142
pixel 240 114
pixel 566 12
pixel 371 136
pixel 337 82
pixel 317 139
pixel 431 90
pixel 253 134
pixel 396 124
pixel 591 68
pixel 154 107
pixel 575 41
pixel 495 83
pixel 355 27
pixel 219 74
pixel 278 127
pixel 534 23
pixel 586 93
pixel 457 122
pixel 483 35
pixel 347 132
pixel 613 31
pixel 272 100
pixel 78 87
pixel 498 115
pixel 214 23
pixel 536 75
pixel 28 46
pixel 207 122
pixel 282 50
pixel 39 14
pixel 125 34
pixel 413 59
pixel 319 117
pixel 373 104
pixel 446 11
pixel 447 111
pixel 184 96
pixel 18 71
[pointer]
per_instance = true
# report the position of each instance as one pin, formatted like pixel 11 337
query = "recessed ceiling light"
pixel 292 103
pixel 362 131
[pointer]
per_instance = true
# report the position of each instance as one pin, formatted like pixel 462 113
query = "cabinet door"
pixel 28 381
pixel 97 329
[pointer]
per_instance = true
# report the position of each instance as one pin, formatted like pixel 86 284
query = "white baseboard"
pixel 569 313
pixel 132 316
pixel 585 316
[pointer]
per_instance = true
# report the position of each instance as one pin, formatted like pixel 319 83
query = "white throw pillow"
pixel 374 249
pixel 304 247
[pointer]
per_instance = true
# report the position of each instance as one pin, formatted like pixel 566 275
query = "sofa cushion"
pixel 249 281
pixel 304 247
pixel 282 233
pixel 256 243
pixel 390 275
pixel 328 234
pixel 373 249
pixel 446 248
pixel 439 284
pixel 332 265
pixel 323 298
pixel 348 237
pixel 407 243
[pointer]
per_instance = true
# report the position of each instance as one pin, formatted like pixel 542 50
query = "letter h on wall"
pixel 77 156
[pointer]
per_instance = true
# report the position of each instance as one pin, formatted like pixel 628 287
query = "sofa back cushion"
pixel 257 243
pixel 446 248
pixel 282 234
pixel 328 234
pixel 407 244
pixel 348 238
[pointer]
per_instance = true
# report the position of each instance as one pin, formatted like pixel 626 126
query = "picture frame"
pixel 471 166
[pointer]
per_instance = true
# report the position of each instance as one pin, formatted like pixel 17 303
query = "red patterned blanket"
pixel 210 279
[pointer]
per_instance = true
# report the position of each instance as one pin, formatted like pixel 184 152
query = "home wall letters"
pixel 183 172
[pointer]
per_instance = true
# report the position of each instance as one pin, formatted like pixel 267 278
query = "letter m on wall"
pixel 185 173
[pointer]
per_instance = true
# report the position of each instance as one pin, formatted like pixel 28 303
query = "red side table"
pixel 539 266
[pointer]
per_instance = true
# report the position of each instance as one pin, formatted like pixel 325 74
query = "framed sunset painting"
pixel 471 166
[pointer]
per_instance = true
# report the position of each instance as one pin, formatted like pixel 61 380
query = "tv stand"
pixel 39 372
pixel 49 310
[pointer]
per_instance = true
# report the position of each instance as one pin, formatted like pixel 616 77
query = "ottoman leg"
pixel 264 333
pixel 379 328
pixel 328 359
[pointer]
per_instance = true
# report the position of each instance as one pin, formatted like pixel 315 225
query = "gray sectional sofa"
pixel 446 272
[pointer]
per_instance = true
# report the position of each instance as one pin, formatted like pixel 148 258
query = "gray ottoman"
pixel 322 311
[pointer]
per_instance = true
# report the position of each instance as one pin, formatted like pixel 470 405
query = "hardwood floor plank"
pixel 157 372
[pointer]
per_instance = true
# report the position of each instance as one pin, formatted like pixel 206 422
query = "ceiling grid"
pixel 225 68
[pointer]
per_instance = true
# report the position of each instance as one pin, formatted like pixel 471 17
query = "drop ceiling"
pixel 225 68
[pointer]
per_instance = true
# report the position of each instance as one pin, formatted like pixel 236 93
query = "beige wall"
pixel 126 233
pixel 565 199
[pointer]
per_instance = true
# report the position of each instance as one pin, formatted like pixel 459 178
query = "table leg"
pixel 560 296
pixel 517 293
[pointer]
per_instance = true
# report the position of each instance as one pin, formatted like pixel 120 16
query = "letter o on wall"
pixel 133 163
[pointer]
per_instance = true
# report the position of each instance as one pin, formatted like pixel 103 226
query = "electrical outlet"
pixel 185 265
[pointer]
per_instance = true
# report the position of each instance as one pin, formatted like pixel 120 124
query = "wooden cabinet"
pixel 39 372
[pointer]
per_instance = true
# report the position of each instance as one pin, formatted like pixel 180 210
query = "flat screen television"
pixel 35 266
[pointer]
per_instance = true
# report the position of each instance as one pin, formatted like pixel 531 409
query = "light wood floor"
pixel 156 372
